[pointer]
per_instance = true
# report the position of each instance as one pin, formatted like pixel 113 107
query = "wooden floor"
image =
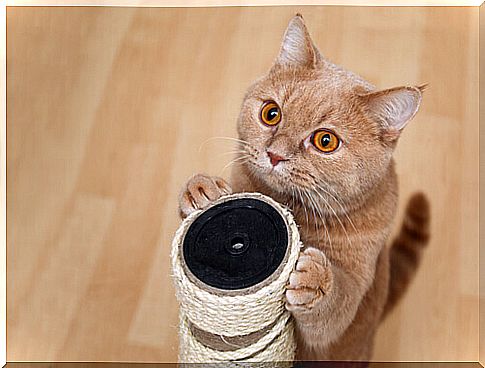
pixel 109 112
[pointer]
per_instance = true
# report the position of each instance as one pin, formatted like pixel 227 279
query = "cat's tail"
pixel 407 248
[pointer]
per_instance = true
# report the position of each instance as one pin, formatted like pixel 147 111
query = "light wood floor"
pixel 107 112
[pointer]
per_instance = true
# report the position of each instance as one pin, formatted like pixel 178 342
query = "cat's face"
pixel 313 127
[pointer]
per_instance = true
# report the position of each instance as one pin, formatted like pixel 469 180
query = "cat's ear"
pixel 394 107
pixel 297 48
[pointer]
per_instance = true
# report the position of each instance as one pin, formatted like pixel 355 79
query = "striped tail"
pixel 407 248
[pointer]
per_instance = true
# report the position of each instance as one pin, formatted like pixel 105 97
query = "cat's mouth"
pixel 275 176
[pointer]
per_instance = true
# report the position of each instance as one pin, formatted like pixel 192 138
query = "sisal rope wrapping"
pixel 236 313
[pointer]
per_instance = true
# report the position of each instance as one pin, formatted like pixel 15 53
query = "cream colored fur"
pixel 344 201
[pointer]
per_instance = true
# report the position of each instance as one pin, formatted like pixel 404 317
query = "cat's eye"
pixel 270 113
pixel 325 141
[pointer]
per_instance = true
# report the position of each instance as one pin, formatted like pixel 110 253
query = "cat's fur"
pixel 346 280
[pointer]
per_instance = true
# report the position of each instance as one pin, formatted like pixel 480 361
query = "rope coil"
pixel 243 325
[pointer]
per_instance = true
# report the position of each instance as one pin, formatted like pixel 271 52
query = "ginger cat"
pixel 320 139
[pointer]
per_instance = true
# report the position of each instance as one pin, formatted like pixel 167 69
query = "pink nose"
pixel 274 158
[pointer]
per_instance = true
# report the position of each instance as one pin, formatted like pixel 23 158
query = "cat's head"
pixel 313 125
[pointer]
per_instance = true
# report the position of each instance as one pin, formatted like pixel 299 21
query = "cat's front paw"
pixel 309 282
pixel 200 191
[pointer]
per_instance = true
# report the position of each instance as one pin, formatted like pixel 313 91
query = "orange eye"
pixel 270 113
pixel 325 141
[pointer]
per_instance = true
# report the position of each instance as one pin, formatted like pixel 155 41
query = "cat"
pixel 320 139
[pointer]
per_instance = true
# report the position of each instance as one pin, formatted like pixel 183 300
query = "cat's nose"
pixel 275 158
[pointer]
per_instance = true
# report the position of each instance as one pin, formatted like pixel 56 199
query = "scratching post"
pixel 231 263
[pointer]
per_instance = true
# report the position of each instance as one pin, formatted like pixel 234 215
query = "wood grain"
pixel 204 3
pixel 110 110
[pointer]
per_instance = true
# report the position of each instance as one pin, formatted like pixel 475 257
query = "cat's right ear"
pixel 297 48
pixel 394 107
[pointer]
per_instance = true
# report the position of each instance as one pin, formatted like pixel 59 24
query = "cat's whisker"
pixel 232 162
pixel 315 218
pixel 302 201
pixel 327 232
pixel 321 216
pixel 336 215
pixel 344 211
pixel 289 198
pixel 224 138
pixel 320 187
pixel 328 207
pixel 317 208
pixel 232 153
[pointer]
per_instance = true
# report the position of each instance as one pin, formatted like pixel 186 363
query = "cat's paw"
pixel 309 282
pixel 200 191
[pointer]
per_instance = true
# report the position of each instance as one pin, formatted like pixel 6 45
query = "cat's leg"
pixel 200 191
pixel 323 298
pixel 357 341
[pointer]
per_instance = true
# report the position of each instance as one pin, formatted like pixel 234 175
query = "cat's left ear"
pixel 297 48
pixel 394 107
